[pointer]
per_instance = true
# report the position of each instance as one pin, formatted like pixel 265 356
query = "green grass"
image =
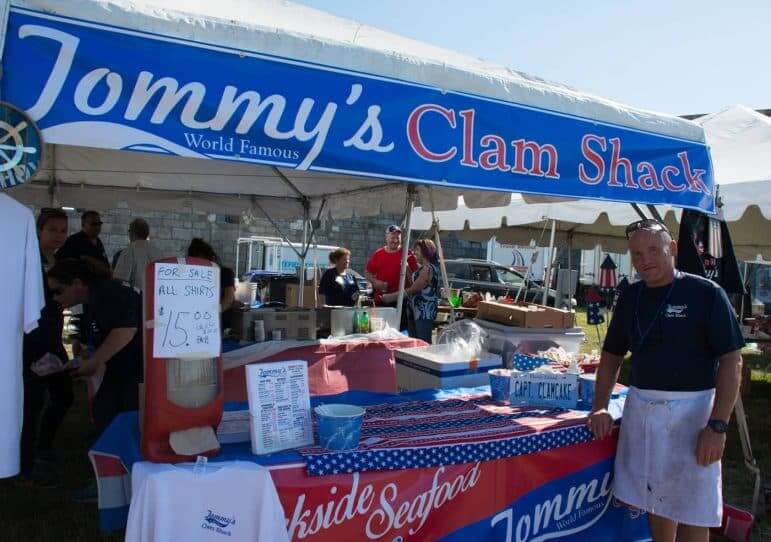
pixel 28 514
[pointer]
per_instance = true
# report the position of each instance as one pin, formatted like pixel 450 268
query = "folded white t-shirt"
pixel 231 501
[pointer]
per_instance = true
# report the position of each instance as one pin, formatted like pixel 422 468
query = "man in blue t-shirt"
pixel 685 342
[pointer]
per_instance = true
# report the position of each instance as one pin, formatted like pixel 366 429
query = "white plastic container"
pixel 436 366
pixel 501 338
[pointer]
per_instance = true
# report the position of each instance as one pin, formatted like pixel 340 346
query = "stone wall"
pixel 173 232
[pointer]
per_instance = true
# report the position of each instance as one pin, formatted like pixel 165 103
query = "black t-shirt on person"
pixel 337 289
pixel 78 245
pixel 684 326
pixel 113 304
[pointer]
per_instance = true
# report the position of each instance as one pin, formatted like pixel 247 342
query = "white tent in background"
pixel 740 145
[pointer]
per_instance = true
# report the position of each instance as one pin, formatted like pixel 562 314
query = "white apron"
pixel 656 468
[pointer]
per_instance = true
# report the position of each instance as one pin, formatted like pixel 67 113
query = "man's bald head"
pixel 653 256
pixel 139 229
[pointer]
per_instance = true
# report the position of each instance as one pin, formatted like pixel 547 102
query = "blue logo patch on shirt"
pixel 218 523
pixel 676 311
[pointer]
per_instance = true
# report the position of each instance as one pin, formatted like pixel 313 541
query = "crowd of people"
pixel 700 391
pixel 383 269
pixel 105 300
pixel 106 305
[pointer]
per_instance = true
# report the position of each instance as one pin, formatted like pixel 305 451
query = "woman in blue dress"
pixel 424 291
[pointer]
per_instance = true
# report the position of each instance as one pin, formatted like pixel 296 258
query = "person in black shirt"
pixel 86 243
pixel 685 342
pixel 45 341
pixel 337 284
pixel 111 330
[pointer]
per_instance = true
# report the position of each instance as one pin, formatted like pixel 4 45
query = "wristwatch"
pixel 718 426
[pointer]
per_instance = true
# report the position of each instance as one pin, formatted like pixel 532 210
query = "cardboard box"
pixel 311 298
pixel 525 315
pixel 243 322
pixel 297 324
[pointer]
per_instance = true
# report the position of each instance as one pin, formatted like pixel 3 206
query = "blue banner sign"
pixel 94 85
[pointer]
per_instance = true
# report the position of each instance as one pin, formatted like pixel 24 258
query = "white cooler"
pixel 433 367
pixel 502 338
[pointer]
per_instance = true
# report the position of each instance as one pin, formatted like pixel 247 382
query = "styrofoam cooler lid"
pixel 527 331
pixel 434 358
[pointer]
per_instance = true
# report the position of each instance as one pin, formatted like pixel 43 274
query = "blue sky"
pixel 674 56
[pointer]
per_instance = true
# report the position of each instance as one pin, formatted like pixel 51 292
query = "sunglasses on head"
pixel 648 224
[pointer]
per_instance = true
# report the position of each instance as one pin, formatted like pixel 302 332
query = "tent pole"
pixel 550 263
pixel 442 268
pixel 654 212
pixel 277 228
pixel 440 253
pixel 306 220
pixel 570 271
pixel 749 460
pixel 405 251
pixel 638 210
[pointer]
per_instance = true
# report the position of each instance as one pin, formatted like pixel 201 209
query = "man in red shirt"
pixel 384 265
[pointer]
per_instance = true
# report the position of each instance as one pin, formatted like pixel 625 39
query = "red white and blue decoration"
pixel 608 274
pixel 594 316
pixel 428 434
pixel 562 494
pixel 527 362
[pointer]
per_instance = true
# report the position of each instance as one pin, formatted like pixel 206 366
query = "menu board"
pixel 279 406
pixel 541 389
pixel 187 318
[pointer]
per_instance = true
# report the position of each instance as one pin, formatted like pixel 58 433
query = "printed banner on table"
pixel 93 85
pixel 564 494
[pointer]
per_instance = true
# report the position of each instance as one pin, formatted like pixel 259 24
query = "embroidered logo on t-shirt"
pixel 218 523
pixel 676 311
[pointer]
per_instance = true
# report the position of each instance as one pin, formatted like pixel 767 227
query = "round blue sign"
pixel 21 146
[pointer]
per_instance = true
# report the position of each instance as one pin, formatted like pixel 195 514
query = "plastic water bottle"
pixel 355 328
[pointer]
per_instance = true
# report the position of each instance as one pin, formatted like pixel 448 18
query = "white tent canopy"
pixel 92 174
pixel 740 145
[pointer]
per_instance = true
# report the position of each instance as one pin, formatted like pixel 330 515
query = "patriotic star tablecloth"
pixel 448 432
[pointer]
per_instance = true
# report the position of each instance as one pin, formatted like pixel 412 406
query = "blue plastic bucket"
pixel 500 384
pixel 339 426
pixel 586 386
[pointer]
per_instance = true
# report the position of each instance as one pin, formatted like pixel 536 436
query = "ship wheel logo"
pixel 21 146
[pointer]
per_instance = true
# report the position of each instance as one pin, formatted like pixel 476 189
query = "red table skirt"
pixel 335 367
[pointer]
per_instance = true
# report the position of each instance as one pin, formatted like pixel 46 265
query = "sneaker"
pixel 86 494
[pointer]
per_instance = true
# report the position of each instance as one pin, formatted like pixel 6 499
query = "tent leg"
pixel 306 219
pixel 654 212
pixel 749 460
pixel 405 251
pixel 549 264
pixel 638 211
pixel 442 268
